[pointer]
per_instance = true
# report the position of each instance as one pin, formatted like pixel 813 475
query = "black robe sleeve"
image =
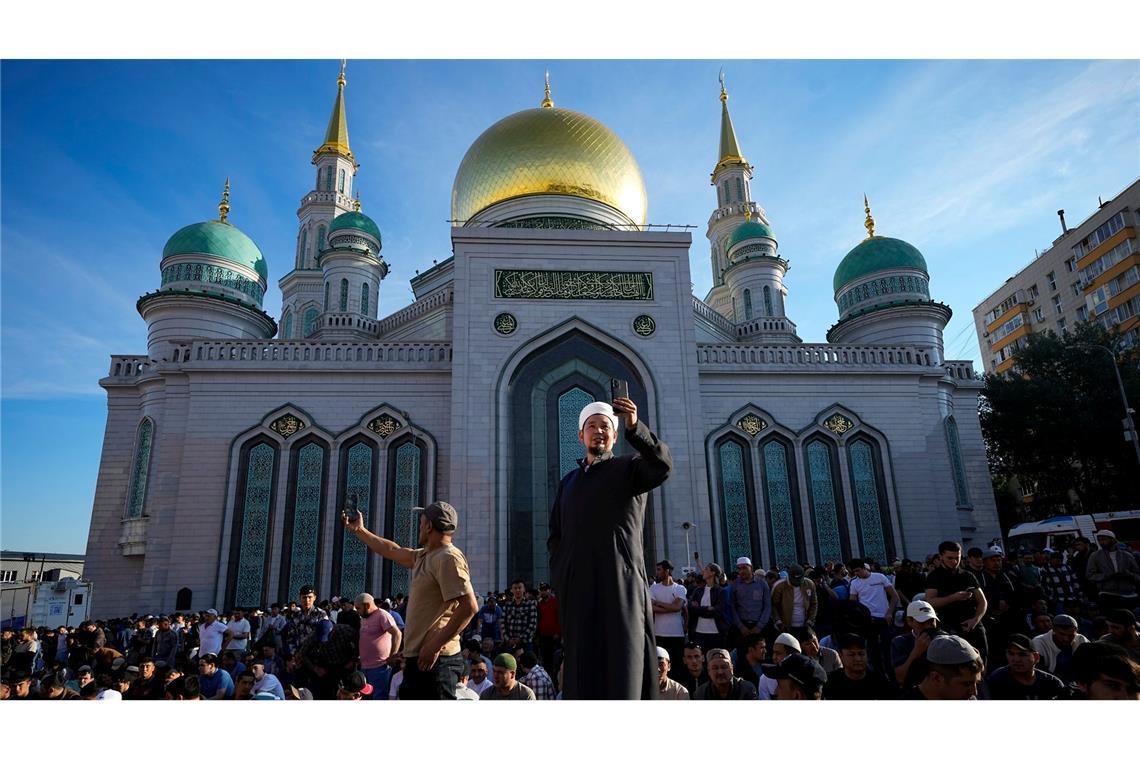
pixel 651 469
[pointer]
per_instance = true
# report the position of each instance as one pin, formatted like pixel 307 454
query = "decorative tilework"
pixel 961 490
pixel 213 275
pixel 254 537
pixel 354 554
pixel 407 496
pixel 310 324
pixel 767 300
pixel 867 501
pixel 555 223
pixel 141 469
pixel 287 327
pixel 595 286
pixel 894 284
pixel 747 304
pixel 780 510
pixel 570 451
pixel 344 295
pixel 735 499
pixel 825 512
pixel 306 518
pixel 364 299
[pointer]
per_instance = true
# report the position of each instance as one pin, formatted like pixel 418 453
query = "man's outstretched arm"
pixel 387 549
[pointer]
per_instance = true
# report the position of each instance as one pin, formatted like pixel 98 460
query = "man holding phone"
pixel 954 593
pixel 598 559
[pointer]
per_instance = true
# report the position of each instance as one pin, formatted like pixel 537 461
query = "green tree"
pixel 1054 423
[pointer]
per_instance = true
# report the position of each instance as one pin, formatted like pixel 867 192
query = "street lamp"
pixel 689 558
pixel 1128 422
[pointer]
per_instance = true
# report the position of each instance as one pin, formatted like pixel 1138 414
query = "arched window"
pixel 352 565
pixel 253 516
pixel 340 182
pixel 319 170
pixel 364 299
pixel 344 294
pixel 405 473
pixel 570 404
pixel 780 498
pixel 184 600
pixel 303 517
pixel 328 179
pixel 739 189
pixel 736 503
pixel 961 490
pixel 768 301
pixel 136 494
pixel 287 326
pixel 326 296
pixel 302 258
pixel 735 313
pixel 320 238
pixel 829 525
pixel 310 324
pixel 747 304
pixel 870 499
pixel 724 189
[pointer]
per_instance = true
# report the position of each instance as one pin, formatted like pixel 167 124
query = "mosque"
pixel 233 442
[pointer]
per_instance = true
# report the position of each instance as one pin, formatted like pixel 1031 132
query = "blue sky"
pixel 103 161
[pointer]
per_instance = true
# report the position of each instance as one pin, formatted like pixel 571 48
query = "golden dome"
pixel 548 151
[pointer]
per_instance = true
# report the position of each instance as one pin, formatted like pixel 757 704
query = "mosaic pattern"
pixel 781 517
pixel 762 249
pixel 250 572
pixel 306 518
pixel 570 451
pixel 838 423
pixel 644 325
pixel 747 304
pixel 385 425
pixel 286 425
pixel 302 258
pixel 825 512
pixel 354 554
pixel 344 295
pixel 905 284
pixel 287 326
pixel 505 323
pixel 364 299
pixel 751 424
pixel 309 325
pixel 213 275
pixel 595 286
pixel 407 494
pixel 961 490
pixel 867 501
pixel 327 301
pixel 767 301
pixel 554 223
pixel 734 504
pixel 320 239
pixel 141 469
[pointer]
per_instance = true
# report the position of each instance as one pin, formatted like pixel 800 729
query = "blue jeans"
pixel 380 678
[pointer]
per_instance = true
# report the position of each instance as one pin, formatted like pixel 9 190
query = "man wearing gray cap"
pixel 597 558
pixel 441 601
pixel 1115 572
pixel 954 670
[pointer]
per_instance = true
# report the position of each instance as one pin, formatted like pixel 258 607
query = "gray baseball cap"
pixel 951 650
pixel 442 515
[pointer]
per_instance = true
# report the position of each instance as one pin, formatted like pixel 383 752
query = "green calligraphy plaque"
pixel 579 286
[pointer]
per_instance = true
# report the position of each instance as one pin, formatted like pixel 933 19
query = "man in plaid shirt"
pixel 536 677
pixel 520 619
pixel 1059 582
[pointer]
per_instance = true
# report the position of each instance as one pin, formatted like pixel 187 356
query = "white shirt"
pixel 706 624
pixel 462 692
pixel 668 623
pixel 767 688
pixel 797 606
pixel 235 627
pixel 210 637
pixel 871 592
pixel 479 688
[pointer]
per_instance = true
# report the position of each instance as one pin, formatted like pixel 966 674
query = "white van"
pixel 1058 533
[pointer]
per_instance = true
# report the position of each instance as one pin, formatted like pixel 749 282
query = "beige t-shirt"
pixel 439 578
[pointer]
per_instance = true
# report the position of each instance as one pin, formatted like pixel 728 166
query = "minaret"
pixel 732 178
pixel 302 296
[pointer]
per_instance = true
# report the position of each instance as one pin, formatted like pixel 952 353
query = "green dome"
pixel 750 229
pixel 356 221
pixel 217 239
pixel 877 254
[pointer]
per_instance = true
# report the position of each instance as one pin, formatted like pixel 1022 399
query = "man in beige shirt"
pixel 441 601
pixel 670 689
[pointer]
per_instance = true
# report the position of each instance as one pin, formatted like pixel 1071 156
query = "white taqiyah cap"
pixel 662 653
pixel 597 407
pixel 789 641
pixel 1105 534
pixel 744 561
pixel 921 611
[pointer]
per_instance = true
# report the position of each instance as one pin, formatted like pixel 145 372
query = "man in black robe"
pixel 597 558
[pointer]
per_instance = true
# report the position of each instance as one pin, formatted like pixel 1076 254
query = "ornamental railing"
pixel 730 356
pixel 256 353
pixel 416 309
pixel 129 365
pixel 713 317
pixel 765 325
pixel 960 369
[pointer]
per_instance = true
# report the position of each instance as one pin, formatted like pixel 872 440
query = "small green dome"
pixel 877 254
pixel 357 221
pixel 750 229
pixel 217 239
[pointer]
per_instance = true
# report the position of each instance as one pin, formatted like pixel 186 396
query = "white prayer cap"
pixel 597 407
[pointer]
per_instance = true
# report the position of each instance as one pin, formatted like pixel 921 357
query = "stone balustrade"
pixel 421 355
pixel 128 365
pixel 960 369
pixel 809 356
pixel 765 325
pixel 416 309
pixel 713 317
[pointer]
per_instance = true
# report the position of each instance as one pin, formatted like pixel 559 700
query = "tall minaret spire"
pixel 336 136
pixel 224 206
pixel 729 147
pixel 870 222
pixel 546 101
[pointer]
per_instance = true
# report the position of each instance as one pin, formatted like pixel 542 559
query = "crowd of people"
pixel 1039 625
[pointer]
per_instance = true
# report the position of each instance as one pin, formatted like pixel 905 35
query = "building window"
pixel 570 404
pixel 779 498
pixel 340 182
pixel 1057 304
pixel 35 576
pixel 1083 313
pixel 7 576
pixel 1052 280
pixel 739 189
pixel 747 304
pixel 768 301
pixel 408 479
pixel 1076 288
pixel 1105 231
pixel 962 493
pixel 870 502
pixel 1071 263
pixel 1061 324
pixel 364 299
pixel 727 197
pixel 320 238
pixel 826 506
pixel 1039 314
pixel 736 511
pixel 310 324
pixel 344 294
pixel 303 517
pixel 328 179
pixel 1033 291
pixel 302 252
pixel 356 481
pixel 326 296
pixel 252 519
pixel 136 495
pixel 287 326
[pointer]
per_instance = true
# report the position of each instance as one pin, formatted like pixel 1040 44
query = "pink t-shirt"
pixel 375 639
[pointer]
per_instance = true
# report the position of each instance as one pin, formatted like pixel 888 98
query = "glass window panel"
pixel 864 475
pixel 734 500
pixel 407 496
pixel 781 514
pixel 141 469
pixel 825 511
pixel 354 554
pixel 306 518
pixel 254 537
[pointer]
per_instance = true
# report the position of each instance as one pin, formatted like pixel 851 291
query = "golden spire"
pixel 747 214
pixel 729 147
pixel 356 202
pixel 336 136
pixel 723 94
pixel 224 206
pixel 546 101
pixel 870 223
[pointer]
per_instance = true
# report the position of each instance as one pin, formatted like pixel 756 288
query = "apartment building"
pixel 1091 272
